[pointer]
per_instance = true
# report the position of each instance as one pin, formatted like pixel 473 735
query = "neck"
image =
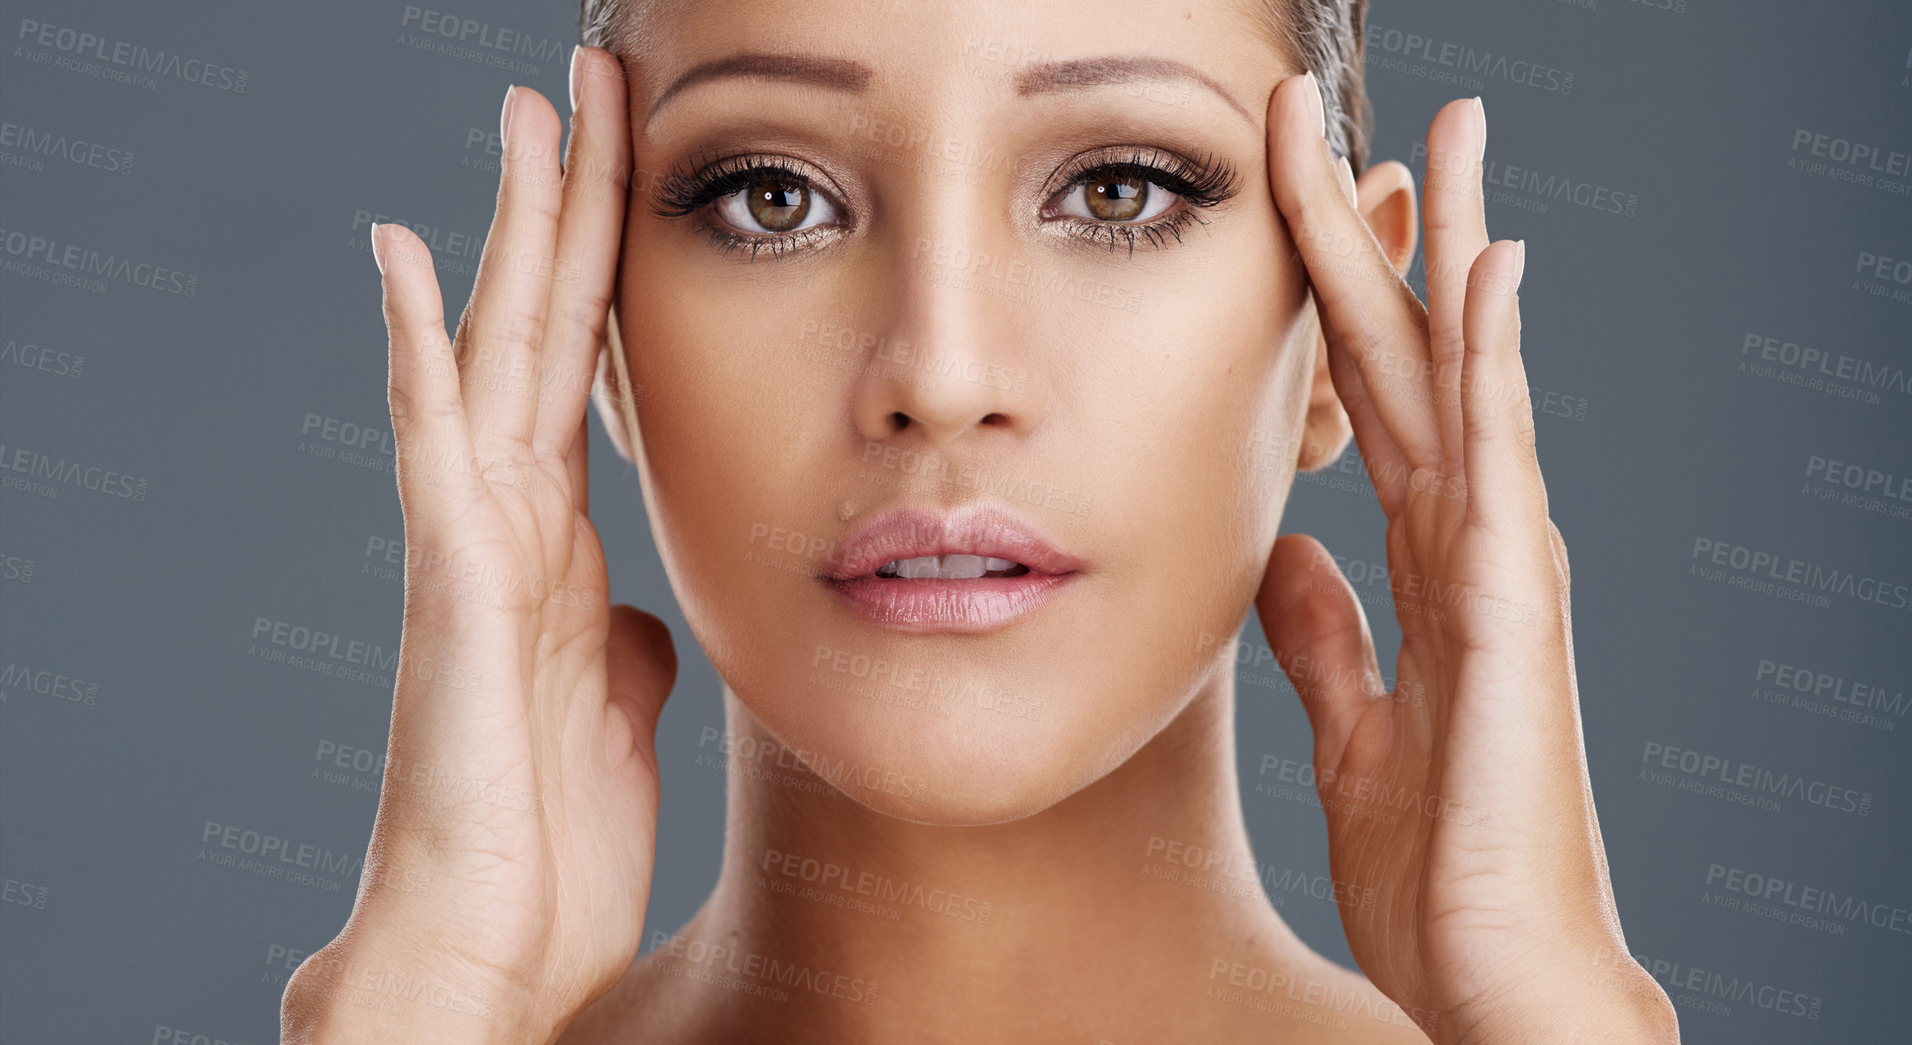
pixel 1043 916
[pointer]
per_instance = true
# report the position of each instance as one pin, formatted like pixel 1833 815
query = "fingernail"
pixel 1520 261
pixel 378 255
pixel 1480 127
pixel 504 119
pixel 1314 103
pixel 1345 171
pixel 577 70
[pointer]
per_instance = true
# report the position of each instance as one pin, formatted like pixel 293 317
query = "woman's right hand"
pixel 510 862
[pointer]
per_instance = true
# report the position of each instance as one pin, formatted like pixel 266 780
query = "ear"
pixel 1384 194
pixel 611 392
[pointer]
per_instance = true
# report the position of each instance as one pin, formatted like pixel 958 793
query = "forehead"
pixel 955 52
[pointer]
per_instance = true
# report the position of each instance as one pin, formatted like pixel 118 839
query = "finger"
pixel 642 665
pixel 1386 464
pixel 1503 470
pixel 428 413
pixel 1456 225
pixel 590 232
pixel 1368 311
pixel 1319 634
pixel 577 467
pixel 503 326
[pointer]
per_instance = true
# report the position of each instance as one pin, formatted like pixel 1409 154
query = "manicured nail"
pixel 577 70
pixel 504 120
pixel 1520 261
pixel 377 245
pixel 1314 103
pixel 1480 127
pixel 1345 171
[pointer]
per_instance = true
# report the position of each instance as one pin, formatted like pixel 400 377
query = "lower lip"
pixel 922 605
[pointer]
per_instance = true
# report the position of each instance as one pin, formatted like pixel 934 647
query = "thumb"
pixel 1320 637
pixel 641 665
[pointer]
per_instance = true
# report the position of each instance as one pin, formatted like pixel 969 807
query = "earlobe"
pixel 1325 433
pixel 1384 194
pixel 611 394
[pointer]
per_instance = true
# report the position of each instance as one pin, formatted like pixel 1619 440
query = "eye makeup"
pixel 776 193
pixel 1120 185
pixel 1115 195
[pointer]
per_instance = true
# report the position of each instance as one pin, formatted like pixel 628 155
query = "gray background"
pixel 116 925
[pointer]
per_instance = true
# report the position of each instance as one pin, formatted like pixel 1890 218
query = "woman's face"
pixel 966 257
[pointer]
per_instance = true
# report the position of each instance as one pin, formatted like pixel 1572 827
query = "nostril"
pixel 995 419
pixel 899 420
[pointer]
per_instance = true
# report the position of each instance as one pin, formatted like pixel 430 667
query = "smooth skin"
pixel 517 906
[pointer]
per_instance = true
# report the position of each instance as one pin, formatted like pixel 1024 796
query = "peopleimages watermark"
pixel 1729 778
pixel 1256 987
pixel 122 60
pixel 35 146
pixel 1424 56
pixel 273 856
pixel 85 268
pixel 1820 370
pixel 916 686
pixel 47 683
pixel 1788 901
pixel 29 466
pixel 1364 798
pixel 844 886
pixel 748 972
pixel 480 43
pixel 1541 188
pixel 810 771
pixel 1842 159
pixel 1823 693
pixel 1768 573
pixel 1711 991
pixel 53 361
pixel 1243 877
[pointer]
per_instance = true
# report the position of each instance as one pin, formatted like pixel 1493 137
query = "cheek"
pixel 1199 418
pixel 1154 416
pixel 729 425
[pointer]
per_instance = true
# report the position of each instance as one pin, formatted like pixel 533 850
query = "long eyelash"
pixel 728 241
pixel 1203 183
pixel 1156 232
pixel 1200 183
pixel 688 188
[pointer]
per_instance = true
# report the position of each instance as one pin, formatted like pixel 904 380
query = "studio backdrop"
pixel 203 550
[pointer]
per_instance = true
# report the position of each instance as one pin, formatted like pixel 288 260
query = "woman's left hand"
pixel 1458 803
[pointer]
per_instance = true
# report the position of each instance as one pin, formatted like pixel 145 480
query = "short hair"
pixel 1325 37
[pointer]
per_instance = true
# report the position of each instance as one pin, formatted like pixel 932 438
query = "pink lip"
pixel 921 605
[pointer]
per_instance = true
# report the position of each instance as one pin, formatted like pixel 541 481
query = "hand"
pixel 510 863
pixel 1459 803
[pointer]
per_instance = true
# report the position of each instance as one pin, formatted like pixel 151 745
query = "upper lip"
pixel 906 533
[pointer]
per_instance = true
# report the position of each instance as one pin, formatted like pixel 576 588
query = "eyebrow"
pixel 836 74
pixel 1081 73
pixel 842 74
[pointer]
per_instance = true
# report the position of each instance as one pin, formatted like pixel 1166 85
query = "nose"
pixel 953 363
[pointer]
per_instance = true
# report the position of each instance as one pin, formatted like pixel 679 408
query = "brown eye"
pixel 1113 195
pixel 778 206
pixel 773 204
pixel 1117 198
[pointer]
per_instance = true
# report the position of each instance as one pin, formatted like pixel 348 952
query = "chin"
pixel 964 738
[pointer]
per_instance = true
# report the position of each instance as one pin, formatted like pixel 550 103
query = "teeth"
pixel 950 567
